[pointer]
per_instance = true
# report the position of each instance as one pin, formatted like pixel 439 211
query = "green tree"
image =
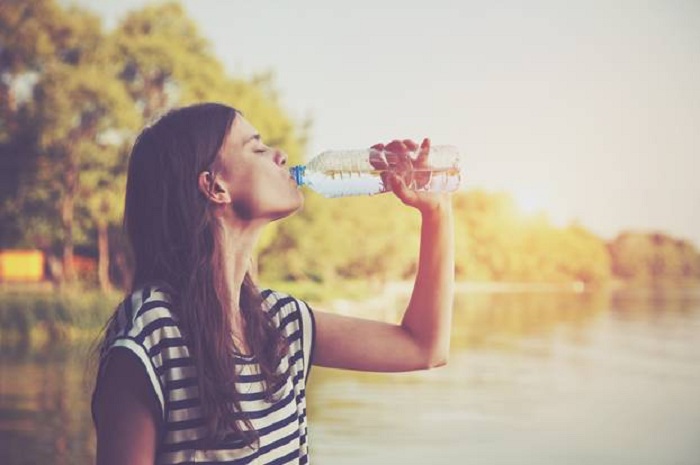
pixel 82 103
pixel 164 60
pixel 584 256
pixel 102 191
pixel 484 224
pixel 364 237
pixel 649 257
pixel 75 100
pixel 27 41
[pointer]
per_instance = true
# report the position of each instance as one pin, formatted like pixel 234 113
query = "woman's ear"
pixel 212 189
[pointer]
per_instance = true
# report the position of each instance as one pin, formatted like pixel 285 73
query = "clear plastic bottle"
pixel 341 173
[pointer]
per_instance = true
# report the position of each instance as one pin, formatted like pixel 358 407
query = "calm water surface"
pixel 535 378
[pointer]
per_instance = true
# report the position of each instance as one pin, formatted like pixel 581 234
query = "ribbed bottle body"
pixel 341 173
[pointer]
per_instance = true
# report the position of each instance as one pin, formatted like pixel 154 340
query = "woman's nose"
pixel 280 157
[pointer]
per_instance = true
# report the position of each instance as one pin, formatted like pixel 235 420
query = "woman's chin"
pixel 290 210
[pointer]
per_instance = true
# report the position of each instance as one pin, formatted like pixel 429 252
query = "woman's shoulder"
pixel 143 311
pixel 288 312
pixel 280 303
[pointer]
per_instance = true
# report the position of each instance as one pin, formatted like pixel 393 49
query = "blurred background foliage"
pixel 73 96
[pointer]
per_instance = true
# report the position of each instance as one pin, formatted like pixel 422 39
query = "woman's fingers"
pixel 423 153
pixel 401 190
pixel 376 157
pixel 410 145
pixel 396 146
pixel 404 146
pixel 403 158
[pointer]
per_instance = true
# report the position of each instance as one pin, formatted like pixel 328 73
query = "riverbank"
pixel 37 316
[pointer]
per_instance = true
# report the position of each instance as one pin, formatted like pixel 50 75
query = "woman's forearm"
pixel 428 317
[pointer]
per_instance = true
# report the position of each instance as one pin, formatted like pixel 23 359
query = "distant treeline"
pixel 73 96
pixel 657 257
pixel 376 238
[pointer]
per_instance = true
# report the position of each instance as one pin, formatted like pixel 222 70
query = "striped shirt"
pixel 145 325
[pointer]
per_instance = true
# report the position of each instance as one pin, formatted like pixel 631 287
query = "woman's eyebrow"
pixel 252 138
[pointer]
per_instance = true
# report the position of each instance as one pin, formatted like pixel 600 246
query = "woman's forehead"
pixel 241 130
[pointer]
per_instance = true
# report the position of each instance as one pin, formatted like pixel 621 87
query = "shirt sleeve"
pixel 146 329
pixel 308 327
pixel 296 321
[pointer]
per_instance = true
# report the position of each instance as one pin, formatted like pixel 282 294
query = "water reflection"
pixel 502 320
pixel 44 415
pixel 648 303
pixel 606 378
pixel 547 378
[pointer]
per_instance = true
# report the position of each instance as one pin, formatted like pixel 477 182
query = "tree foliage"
pixel 653 257
pixel 65 141
pixel 376 238
pixel 73 96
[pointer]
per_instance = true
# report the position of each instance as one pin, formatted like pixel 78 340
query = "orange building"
pixel 21 266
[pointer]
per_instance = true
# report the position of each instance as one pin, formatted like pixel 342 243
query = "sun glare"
pixel 530 202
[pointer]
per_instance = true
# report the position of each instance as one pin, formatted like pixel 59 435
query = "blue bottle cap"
pixel 297 172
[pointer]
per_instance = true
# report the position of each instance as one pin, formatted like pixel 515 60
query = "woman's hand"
pixel 406 175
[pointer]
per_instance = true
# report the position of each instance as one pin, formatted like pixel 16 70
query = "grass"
pixel 33 317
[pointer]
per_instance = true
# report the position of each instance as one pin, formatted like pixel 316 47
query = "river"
pixel 533 377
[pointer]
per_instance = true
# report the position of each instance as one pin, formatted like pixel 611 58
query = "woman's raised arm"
pixel 422 339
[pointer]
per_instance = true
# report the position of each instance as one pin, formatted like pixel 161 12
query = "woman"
pixel 199 366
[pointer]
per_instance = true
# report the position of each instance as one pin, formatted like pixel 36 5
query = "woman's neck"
pixel 236 243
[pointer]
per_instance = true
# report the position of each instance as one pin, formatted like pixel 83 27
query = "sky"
pixel 588 111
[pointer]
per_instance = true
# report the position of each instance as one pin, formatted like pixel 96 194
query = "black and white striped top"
pixel 145 325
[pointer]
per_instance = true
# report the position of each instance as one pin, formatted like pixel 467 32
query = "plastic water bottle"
pixel 341 173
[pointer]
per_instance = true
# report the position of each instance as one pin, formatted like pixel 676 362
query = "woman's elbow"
pixel 435 359
pixel 439 361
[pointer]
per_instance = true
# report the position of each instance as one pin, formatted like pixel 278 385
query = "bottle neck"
pixel 297 173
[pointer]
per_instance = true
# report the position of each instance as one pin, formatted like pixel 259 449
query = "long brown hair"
pixel 171 232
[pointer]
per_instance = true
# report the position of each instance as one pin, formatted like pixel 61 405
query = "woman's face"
pixel 255 176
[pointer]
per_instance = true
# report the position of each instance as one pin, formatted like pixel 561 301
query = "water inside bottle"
pixel 340 183
pixel 333 183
